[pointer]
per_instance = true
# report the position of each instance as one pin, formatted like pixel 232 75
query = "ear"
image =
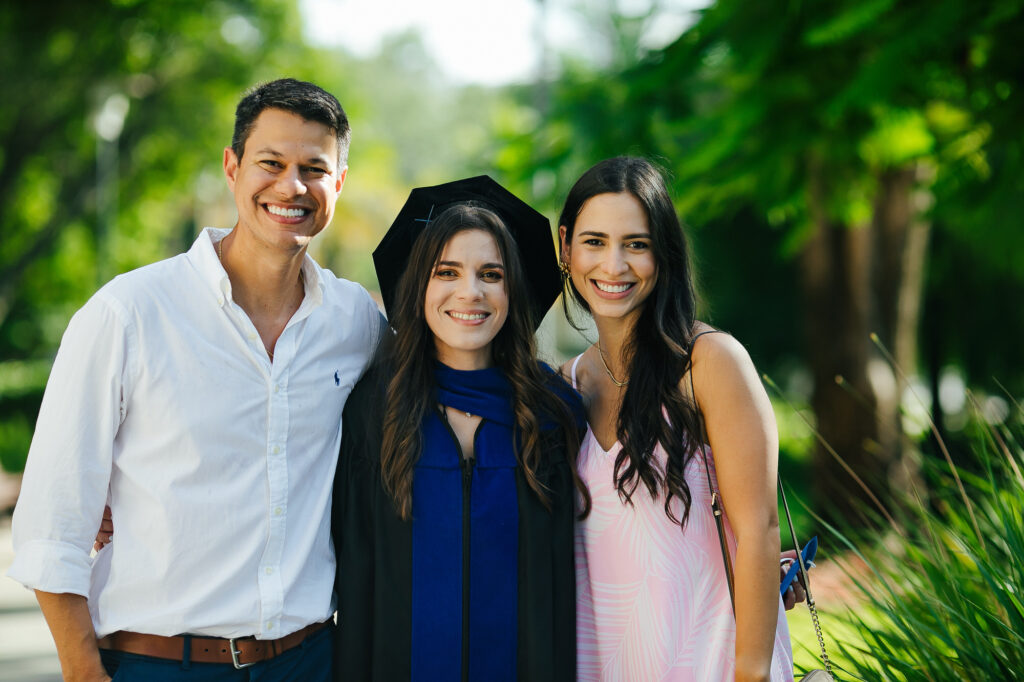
pixel 566 249
pixel 341 180
pixel 230 167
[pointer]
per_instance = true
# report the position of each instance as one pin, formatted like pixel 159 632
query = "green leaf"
pixel 856 17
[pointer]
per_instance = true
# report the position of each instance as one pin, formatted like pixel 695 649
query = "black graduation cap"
pixel 530 229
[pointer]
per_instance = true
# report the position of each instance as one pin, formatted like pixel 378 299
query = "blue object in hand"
pixel 810 549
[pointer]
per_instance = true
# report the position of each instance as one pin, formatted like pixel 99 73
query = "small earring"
pixel 564 268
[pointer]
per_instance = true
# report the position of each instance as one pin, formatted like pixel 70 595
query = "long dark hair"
pixel 409 353
pixel 657 348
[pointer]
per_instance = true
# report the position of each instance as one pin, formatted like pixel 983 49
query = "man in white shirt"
pixel 201 398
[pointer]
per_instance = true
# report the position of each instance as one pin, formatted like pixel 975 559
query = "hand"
pixel 106 531
pixel 795 594
pixel 81 676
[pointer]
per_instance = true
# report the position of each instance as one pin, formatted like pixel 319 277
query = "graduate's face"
pixel 466 302
pixel 609 255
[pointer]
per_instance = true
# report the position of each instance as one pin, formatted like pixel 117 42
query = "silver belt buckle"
pixel 234 655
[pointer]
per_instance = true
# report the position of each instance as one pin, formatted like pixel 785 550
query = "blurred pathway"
pixel 27 653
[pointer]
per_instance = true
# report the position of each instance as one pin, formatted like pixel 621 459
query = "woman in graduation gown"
pixel 455 491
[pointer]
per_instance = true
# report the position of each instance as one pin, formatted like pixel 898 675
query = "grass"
pixel 945 599
pixel 938 591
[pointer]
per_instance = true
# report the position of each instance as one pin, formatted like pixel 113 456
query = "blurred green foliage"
pixel 774 120
pixel 112 126
pixel 845 168
pixel 747 110
pixel 109 113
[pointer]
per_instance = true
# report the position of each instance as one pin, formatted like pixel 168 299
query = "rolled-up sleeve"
pixel 69 462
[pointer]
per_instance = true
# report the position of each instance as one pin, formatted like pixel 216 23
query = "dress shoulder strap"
pixel 689 360
pixel 693 341
pixel 572 372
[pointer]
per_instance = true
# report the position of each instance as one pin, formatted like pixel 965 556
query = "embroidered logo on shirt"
pixel 337 379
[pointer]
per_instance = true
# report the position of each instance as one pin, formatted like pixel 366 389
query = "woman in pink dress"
pixel 653 601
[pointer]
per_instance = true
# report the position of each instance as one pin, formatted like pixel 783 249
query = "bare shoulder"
pixel 583 384
pixel 565 371
pixel 716 350
pixel 720 361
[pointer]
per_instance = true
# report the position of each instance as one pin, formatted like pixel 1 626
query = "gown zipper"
pixel 466 464
pixel 467 485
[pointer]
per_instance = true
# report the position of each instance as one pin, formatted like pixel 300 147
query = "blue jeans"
pixel 311 661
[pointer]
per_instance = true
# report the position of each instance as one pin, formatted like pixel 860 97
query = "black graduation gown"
pixel 375 577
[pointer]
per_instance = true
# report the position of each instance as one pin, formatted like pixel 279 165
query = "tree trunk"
pixel 901 245
pixel 857 279
pixel 835 277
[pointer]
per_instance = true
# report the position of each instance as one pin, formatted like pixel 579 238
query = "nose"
pixel 614 262
pixel 469 289
pixel 289 183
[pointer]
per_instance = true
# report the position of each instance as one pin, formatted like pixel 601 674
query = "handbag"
pixel 818 674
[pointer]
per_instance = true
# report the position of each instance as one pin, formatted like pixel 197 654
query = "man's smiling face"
pixel 287 181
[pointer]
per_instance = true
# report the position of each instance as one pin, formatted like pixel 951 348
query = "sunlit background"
pixel 844 169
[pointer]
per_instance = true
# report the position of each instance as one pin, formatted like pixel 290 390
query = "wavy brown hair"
pixel 409 353
pixel 657 350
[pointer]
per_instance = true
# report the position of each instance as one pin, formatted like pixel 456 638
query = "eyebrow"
pixel 637 235
pixel 272 152
pixel 457 264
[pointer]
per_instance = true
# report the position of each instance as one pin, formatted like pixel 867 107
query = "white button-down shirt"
pixel 217 464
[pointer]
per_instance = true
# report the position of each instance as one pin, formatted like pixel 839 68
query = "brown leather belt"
pixel 241 652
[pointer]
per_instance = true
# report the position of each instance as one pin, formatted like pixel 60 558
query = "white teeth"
pixel 467 316
pixel 613 288
pixel 286 212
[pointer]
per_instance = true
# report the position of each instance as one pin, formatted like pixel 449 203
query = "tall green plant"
pixel 946 600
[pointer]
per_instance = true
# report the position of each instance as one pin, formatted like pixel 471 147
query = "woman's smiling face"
pixel 466 303
pixel 610 257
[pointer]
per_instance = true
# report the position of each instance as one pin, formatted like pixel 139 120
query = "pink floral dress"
pixel 652 601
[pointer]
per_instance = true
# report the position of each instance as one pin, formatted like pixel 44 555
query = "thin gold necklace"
pixel 611 376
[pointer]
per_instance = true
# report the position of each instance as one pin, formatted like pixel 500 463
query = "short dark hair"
pixel 307 100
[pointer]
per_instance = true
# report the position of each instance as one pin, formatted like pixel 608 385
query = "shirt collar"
pixel 203 256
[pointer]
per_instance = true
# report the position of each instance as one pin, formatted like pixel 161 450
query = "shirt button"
pixel 276 450
pixel 277 511
pixel 277 387
pixel 270 625
pixel 252 336
pixel 270 571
